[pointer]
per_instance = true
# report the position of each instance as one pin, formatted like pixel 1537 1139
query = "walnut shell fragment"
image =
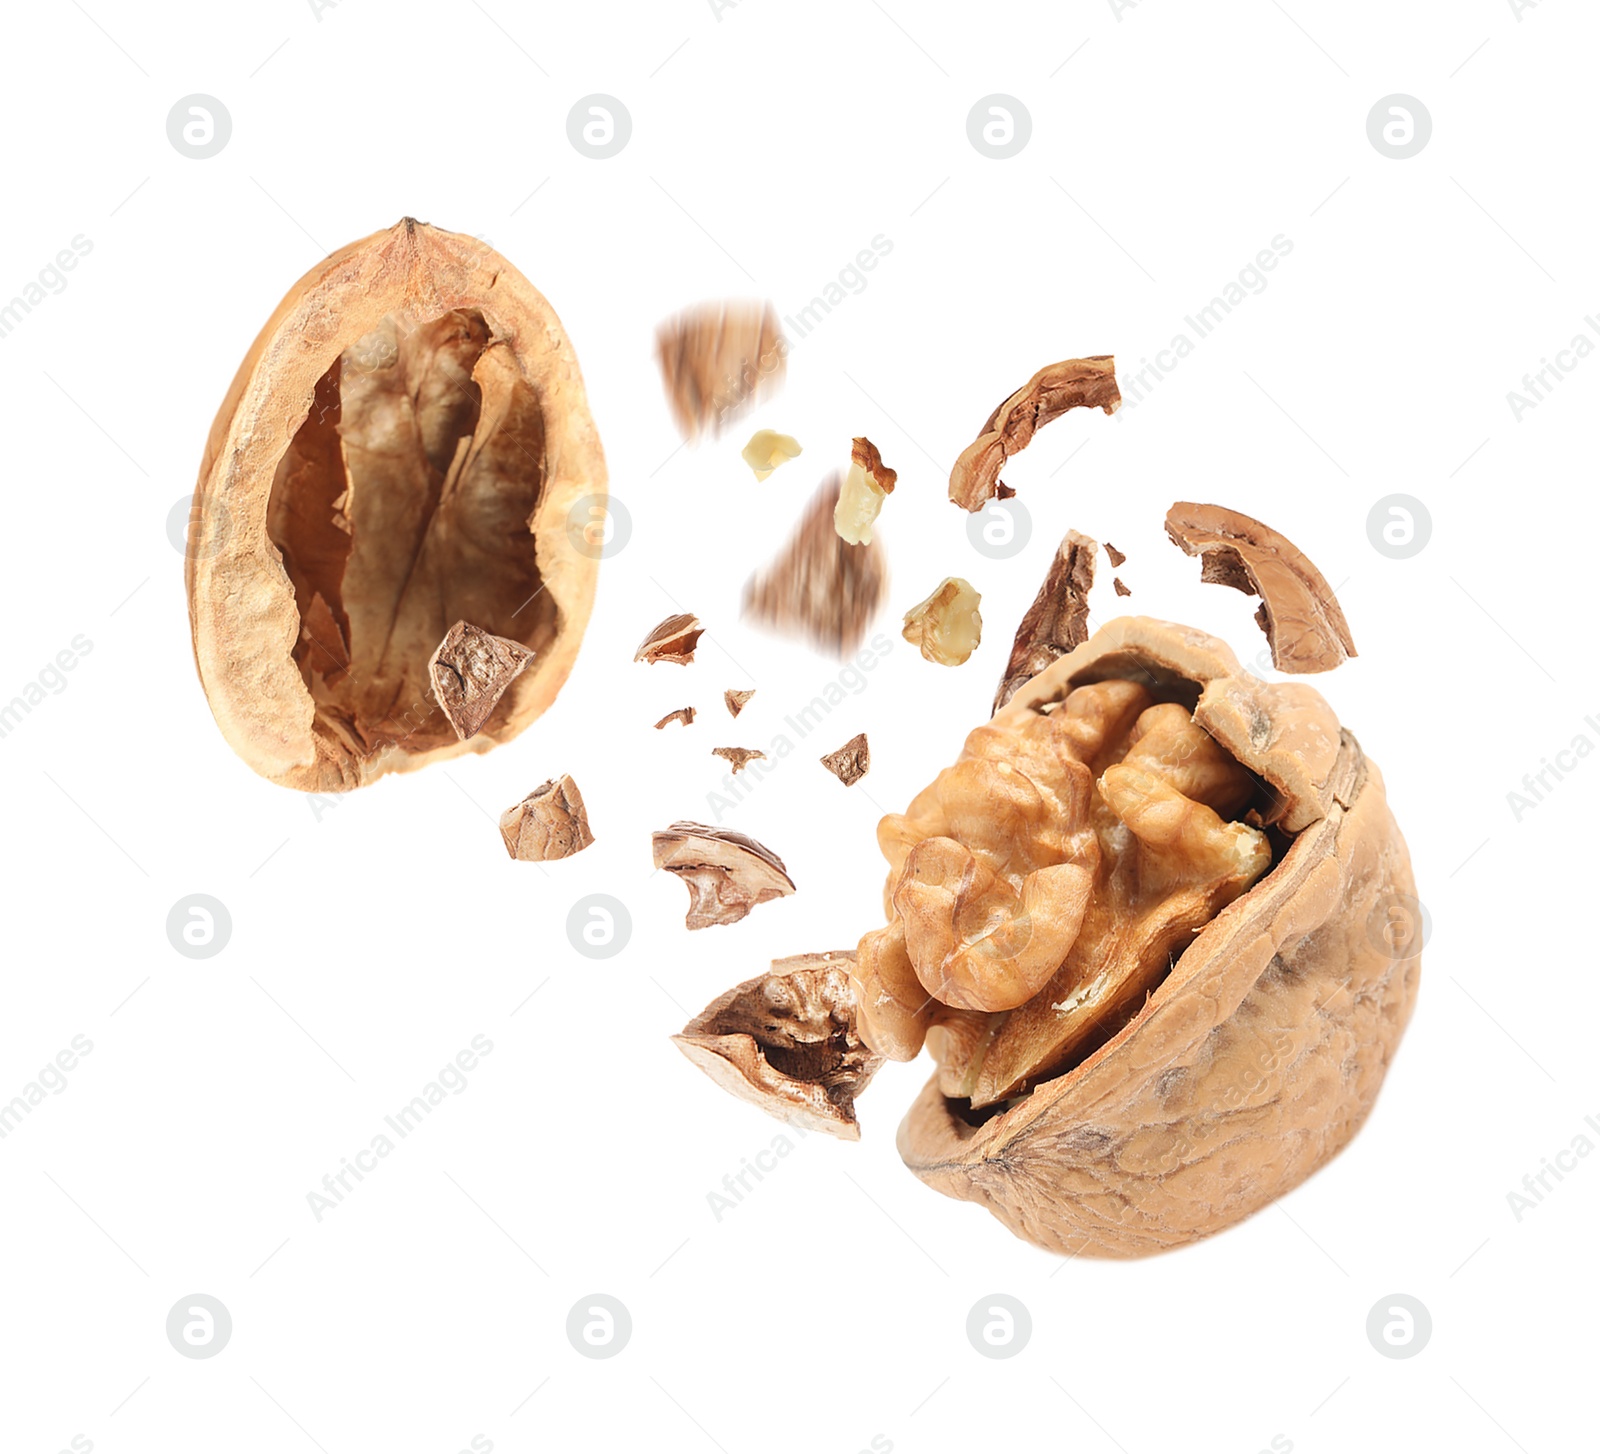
pixel 735 701
pixel 786 1041
pixel 1259 1054
pixel 470 671
pixel 1058 619
pixel 1118 587
pixel 1075 383
pixel 1115 556
pixel 716 360
pixel 1302 620
pixel 727 873
pixel 851 762
pixel 738 756
pixel 550 823
pixel 401 449
pixel 673 640
pixel 684 715
pixel 819 588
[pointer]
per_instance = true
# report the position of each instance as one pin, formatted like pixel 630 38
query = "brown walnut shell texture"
pixel 501 447
pixel 1260 1055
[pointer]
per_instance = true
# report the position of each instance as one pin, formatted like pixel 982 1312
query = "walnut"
pixel 470 671
pixel 401 449
pixel 767 450
pixel 1303 623
pixel 684 715
pixel 867 484
pixel 786 1041
pixel 1222 1012
pixel 947 627
pixel 851 762
pixel 549 823
pixel 738 756
pixel 727 873
pixel 716 360
pixel 673 640
pixel 1075 383
pixel 1058 619
pixel 736 701
pixel 819 588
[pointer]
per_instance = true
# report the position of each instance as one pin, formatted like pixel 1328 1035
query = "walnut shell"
pixel 1260 1055
pixel 401 449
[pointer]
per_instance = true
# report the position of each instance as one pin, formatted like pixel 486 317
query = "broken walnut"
pixel 727 874
pixel 1213 1020
pixel 683 714
pixel 401 449
pixel 786 1041
pixel 673 640
pixel 1058 619
pixel 716 360
pixel 736 701
pixel 738 756
pixel 470 671
pixel 867 484
pixel 1072 384
pixel 851 762
pixel 549 823
pixel 767 450
pixel 1303 623
pixel 819 588
pixel 947 627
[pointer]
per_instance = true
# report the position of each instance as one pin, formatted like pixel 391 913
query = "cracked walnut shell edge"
pixel 509 446
pixel 1261 1054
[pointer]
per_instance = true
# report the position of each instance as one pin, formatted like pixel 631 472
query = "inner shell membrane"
pixel 404 504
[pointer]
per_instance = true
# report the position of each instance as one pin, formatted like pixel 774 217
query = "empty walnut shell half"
pixel 1254 1051
pixel 401 449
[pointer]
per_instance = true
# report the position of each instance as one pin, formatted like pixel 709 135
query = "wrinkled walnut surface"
pixel 550 823
pixel 470 671
pixel 786 1041
pixel 399 450
pixel 850 763
pixel 1260 1054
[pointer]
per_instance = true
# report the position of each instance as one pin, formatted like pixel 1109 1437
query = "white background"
pixel 1170 144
